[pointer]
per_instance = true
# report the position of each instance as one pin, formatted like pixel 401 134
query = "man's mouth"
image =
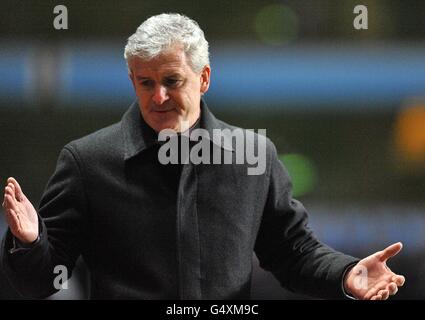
pixel 162 110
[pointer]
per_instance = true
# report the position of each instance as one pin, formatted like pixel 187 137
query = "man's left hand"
pixel 371 279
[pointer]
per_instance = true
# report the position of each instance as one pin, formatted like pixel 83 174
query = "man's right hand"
pixel 20 213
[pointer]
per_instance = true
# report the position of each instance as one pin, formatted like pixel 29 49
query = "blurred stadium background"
pixel 345 108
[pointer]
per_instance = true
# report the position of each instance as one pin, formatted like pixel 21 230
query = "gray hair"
pixel 160 32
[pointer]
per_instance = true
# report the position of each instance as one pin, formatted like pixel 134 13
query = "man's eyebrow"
pixel 173 75
pixel 142 78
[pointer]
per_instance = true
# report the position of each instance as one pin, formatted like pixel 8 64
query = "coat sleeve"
pixel 63 225
pixel 287 247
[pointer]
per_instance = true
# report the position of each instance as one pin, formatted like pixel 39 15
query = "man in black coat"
pixel 151 228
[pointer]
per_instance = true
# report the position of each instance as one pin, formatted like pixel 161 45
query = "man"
pixel 149 230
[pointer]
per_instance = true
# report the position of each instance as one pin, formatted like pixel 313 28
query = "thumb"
pixel 390 251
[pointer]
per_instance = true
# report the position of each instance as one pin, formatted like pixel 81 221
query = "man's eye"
pixel 146 83
pixel 171 82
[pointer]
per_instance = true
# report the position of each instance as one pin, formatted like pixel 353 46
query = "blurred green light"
pixel 276 24
pixel 302 171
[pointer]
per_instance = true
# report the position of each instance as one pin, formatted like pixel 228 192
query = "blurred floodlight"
pixel 410 133
pixel 302 171
pixel 276 24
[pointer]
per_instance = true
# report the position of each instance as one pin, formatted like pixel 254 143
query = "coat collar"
pixel 138 136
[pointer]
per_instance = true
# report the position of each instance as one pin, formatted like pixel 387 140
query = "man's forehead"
pixel 169 61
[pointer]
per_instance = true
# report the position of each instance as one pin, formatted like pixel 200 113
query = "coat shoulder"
pixel 255 136
pixel 107 141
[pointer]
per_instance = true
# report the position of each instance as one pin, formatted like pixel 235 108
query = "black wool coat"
pixel 153 231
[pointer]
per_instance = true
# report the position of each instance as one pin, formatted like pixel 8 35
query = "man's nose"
pixel 160 95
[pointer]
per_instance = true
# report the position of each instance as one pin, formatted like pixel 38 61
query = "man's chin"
pixel 170 124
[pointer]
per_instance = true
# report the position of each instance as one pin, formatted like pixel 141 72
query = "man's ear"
pixel 205 79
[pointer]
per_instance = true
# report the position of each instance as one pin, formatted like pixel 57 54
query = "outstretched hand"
pixel 20 213
pixel 371 279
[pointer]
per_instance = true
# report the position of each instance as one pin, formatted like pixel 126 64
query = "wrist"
pixel 28 242
pixel 347 280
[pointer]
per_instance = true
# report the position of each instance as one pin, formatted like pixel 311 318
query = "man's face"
pixel 169 91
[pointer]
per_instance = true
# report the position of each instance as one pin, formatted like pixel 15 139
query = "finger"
pixel 11 203
pixel 384 294
pixel 17 187
pixel 7 200
pixel 374 290
pixel 399 280
pixel 376 297
pixel 371 293
pixel 11 186
pixel 10 190
pixel 392 288
pixel 390 251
